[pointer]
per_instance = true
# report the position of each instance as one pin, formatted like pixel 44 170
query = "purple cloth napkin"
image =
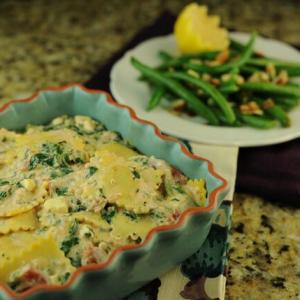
pixel 272 172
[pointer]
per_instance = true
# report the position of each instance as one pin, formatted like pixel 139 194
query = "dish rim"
pixel 212 200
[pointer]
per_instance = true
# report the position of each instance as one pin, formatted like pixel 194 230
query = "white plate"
pixel 128 90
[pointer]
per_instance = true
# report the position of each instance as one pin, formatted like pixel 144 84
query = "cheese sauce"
pixel 71 192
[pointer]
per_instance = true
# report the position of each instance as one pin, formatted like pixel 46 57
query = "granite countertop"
pixel 58 42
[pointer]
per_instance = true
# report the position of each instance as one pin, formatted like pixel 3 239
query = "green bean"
pixel 155 98
pixel 164 56
pixel 286 103
pixel 237 46
pixel 201 55
pixel 223 68
pixel 229 88
pixel 271 88
pixel 210 90
pixel 249 70
pixel 291 83
pixel 172 63
pixel 286 100
pixel 240 47
pixel 292 68
pixel 258 121
pixel 175 87
pixel 141 78
pixel 276 112
pixel 180 60
pixel 223 120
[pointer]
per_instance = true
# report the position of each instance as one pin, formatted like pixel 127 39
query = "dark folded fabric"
pixel 272 172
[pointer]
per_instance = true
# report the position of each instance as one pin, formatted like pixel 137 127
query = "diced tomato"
pixel 33 276
pixel 162 187
pixel 29 279
pixel 90 255
pixel 178 176
pixel 175 215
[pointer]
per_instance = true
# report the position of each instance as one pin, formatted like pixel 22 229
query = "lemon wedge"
pixel 196 31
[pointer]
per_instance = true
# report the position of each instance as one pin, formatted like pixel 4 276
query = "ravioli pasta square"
pixel 72 191
pixel 25 221
pixel 44 254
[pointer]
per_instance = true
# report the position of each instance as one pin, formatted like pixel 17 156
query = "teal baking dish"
pixel 128 267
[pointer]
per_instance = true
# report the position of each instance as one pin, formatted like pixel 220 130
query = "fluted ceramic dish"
pixel 128 267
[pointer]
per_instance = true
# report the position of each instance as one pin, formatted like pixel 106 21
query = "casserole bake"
pixel 130 266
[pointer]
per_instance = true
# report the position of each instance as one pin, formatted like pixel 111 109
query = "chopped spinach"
pixel 72 240
pixel 65 170
pixel 168 188
pixel 61 172
pixel 101 192
pixel 53 148
pixel 136 174
pixel 61 191
pixel 130 214
pixel 3 195
pixel 50 155
pixel 39 158
pixel 53 155
pixel 3 182
pixel 108 213
pixel 88 235
pixel 156 215
pixel 19 185
pixel 68 243
pixel 76 160
pixel 138 240
pixel 144 160
pixel 91 171
pixel 171 188
pixel 76 261
pixel 41 230
pixel 63 278
pixel 54 175
pixel 73 228
pixel 81 131
pixel 77 206
pixel 178 189
pixel 77 129
pixel 15 284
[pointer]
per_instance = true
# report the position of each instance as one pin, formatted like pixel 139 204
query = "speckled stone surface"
pixel 264 251
pixel 44 43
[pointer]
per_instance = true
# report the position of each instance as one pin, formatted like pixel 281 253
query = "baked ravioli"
pixel 71 192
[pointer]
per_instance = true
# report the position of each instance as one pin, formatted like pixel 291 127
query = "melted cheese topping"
pixel 71 192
